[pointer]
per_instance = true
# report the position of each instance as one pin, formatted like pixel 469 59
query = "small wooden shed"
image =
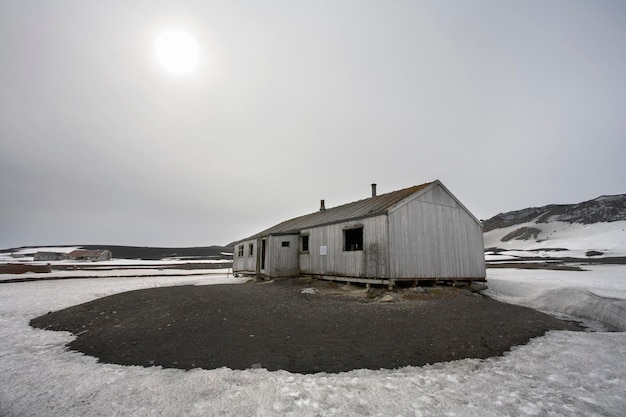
pixel 49 256
pixel 90 255
pixel 418 233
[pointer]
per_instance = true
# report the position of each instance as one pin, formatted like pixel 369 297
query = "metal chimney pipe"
pixel 322 205
pixel 374 190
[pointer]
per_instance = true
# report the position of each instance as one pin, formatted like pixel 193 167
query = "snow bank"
pixel 560 374
pixel 581 303
pixel 602 299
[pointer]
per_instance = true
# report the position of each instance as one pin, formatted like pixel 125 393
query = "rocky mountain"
pixel 610 208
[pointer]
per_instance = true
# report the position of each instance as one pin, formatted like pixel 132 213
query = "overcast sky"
pixel 509 103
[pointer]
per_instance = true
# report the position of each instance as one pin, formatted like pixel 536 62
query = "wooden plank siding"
pixel 421 232
pixel 432 237
pixel 371 262
pixel 248 262
pixel 282 261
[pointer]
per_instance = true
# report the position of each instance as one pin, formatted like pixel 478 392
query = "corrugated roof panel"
pixel 368 207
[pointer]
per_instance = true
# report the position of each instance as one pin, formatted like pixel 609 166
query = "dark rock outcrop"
pixel 602 209
pixel 523 233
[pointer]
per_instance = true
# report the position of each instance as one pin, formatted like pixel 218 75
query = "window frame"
pixel 351 241
pixel 304 238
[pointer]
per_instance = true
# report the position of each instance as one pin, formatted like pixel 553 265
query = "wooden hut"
pixel 90 255
pixel 418 233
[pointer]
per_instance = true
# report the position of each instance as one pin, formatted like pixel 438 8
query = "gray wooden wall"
pixel 371 262
pixel 245 263
pixel 282 261
pixel 434 237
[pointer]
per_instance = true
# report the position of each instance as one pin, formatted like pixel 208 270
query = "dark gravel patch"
pixel 275 326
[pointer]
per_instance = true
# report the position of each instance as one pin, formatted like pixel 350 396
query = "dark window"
pixel 285 244
pixel 240 250
pixel 353 239
pixel 251 249
pixel 305 243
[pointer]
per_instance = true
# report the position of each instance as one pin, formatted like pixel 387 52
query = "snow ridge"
pixel 582 303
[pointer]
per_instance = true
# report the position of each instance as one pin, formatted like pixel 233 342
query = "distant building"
pixel 90 255
pixel 418 233
pixel 49 256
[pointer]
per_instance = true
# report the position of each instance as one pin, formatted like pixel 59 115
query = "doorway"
pixel 263 255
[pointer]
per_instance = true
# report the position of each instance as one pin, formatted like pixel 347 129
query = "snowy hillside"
pixel 559 239
pixel 591 230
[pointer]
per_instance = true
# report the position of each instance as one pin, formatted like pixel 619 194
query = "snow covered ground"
pixel 112 273
pixel 26 255
pixel 560 374
pixel 113 268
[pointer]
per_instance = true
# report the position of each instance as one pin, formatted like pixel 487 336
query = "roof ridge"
pixel 366 207
pixel 416 187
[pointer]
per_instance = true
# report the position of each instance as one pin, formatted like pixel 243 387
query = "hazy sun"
pixel 177 51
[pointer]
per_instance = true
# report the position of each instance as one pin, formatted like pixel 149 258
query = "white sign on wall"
pixel 322 250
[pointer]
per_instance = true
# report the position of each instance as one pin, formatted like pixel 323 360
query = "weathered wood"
pixel 371 262
pixel 432 236
pixel 245 263
pixel 427 235
pixel 283 259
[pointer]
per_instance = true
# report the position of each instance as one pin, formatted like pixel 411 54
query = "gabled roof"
pixel 369 207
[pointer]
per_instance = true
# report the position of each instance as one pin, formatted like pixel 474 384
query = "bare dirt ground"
pixel 274 325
